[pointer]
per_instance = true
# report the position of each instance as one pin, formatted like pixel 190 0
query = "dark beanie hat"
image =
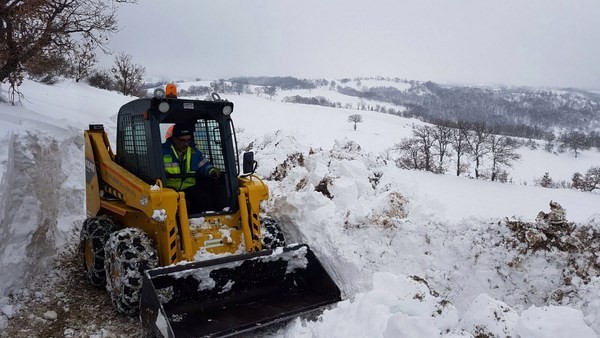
pixel 182 130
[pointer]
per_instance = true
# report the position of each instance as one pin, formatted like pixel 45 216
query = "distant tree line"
pixel 317 100
pixel 222 86
pixel 436 148
pixel 285 82
pixel 461 146
pixel 151 85
pixel 519 112
pixel 589 181
pixel 195 91
pixel 446 105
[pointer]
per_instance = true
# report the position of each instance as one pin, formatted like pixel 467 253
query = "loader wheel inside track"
pixel 272 236
pixel 94 234
pixel 129 252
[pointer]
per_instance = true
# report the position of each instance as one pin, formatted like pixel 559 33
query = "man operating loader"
pixel 182 158
pixel 154 252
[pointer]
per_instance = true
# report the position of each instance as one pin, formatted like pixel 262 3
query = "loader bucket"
pixel 234 294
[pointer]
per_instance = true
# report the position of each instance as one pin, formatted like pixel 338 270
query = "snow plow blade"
pixel 234 294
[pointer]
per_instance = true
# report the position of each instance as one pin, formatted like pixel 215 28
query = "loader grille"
pixel 134 148
pixel 208 139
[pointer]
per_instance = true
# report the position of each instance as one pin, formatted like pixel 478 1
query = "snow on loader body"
pixel 147 243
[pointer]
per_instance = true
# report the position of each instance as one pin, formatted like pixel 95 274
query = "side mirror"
pixel 249 164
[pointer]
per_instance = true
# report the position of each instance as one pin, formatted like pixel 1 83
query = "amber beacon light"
pixel 171 91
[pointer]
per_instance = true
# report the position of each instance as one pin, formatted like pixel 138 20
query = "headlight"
pixel 159 93
pixel 164 107
pixel 227 110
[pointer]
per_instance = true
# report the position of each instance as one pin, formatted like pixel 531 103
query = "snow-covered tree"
pixel 575 141
pixel 355 118
pixel 502 153
pixel 592 179
pixel 271 91
pixel 578 182
pixel 546 180
pixel 239 87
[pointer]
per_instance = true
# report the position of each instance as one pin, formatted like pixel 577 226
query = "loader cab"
pixel 142 127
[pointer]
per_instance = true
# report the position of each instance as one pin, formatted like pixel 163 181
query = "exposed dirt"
pixel 64 304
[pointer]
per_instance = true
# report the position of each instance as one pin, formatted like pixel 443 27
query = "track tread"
pixel 272 236
pixel 129 252
pixel 96 230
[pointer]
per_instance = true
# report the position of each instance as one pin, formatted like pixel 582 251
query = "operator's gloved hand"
pixel 214 173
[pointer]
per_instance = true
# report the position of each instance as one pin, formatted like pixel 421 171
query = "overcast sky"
pixel 515 42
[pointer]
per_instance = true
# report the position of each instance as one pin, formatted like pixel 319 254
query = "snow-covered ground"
pixel 415 254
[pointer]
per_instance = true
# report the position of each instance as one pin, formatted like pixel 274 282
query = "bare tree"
pixel 460 145
pixel 101 79
pixel 424 136
pixel 442 137
pixel 271 91
pixel 32 29
pixel 215 86
pixel 478 144
pixel 239 87
pixel 128 76
pixel 411 156
pixel 502 153
pixel 355 118
pixel 575 140
pixel 82 60
pixel 222 85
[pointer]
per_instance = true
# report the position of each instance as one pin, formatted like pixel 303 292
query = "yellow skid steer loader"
pixel 189 267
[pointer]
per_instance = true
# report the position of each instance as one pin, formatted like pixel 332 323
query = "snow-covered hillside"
pixel 415 254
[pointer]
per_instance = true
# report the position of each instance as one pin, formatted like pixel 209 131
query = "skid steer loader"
pixel 212 272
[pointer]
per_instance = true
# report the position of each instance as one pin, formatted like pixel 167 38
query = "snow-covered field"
pixel 415 254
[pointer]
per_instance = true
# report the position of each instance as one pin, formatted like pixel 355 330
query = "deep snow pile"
pixel 355 210
pixel 415 254
pixel 41 190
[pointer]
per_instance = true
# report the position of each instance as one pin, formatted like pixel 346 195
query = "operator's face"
pixel 181 143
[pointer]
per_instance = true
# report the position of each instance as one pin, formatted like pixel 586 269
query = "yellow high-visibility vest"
pixel 173 166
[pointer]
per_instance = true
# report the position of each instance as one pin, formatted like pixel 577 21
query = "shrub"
pixel 101 79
